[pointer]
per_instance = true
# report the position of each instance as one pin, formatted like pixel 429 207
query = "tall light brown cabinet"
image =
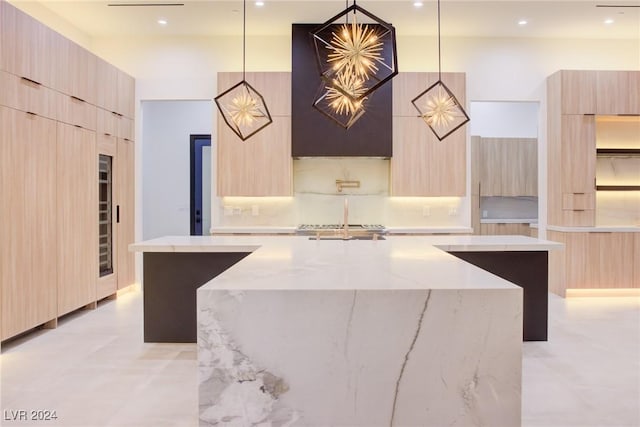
pixel 261 165
pixel 593 258
pixel 421 165
pixel 60 107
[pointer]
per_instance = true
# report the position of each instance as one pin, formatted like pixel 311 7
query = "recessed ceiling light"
pixel 417 3
pixel 259 3
pixel 523 22
pixel 162 21
pixel 609 21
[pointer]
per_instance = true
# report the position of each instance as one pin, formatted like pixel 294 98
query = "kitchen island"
pixel 394 332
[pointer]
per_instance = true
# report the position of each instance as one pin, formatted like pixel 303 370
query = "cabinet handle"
pixel 31 113
pixel 117 214
pixel 31 81
pixel 78 126
pixel 77 99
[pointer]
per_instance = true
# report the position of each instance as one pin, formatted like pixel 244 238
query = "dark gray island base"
pixel 527 269
pixel 170 283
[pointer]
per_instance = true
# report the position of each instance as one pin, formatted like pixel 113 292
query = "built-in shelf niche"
pixel 618 153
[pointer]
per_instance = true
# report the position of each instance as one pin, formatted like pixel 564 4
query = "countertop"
pixel 399 262
pixel 292 230
pixel 596 229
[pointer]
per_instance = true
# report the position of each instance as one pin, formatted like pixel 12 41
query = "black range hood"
pixel 315 135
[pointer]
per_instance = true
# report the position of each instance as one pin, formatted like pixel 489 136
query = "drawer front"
pixel 107 122
pixel 28 96
pixel 125 128
pixel 578 201
pixel 579 218
pixel 76 112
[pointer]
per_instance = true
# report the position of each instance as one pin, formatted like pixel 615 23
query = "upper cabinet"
pixel 577 91
pixel 106 94
pixel 26 46
pixel 421 165
pixel 261 165
pixel 595 92
pixel 618 92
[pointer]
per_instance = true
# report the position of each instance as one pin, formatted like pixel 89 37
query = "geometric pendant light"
pixel 355 52
pixel 338 107
pixel 438 106
pixel 242 107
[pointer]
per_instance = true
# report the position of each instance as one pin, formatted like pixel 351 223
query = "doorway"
pixel 200 184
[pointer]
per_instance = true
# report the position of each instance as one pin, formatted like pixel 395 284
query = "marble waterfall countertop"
pixel 386 332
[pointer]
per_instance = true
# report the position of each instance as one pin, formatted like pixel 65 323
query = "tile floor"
pixel 94 369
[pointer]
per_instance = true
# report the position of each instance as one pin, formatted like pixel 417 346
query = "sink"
pixel 361 237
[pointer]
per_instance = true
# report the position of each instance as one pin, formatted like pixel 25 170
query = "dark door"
pixel 201 169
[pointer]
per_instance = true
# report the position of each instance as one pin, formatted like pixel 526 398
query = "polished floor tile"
pixel 94 370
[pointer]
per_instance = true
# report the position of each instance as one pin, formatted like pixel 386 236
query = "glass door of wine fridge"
pixel 105 217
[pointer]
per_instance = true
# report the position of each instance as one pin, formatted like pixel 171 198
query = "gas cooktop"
pixel 312 227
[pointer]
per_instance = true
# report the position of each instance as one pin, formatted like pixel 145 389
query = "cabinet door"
pixel 513 229
pixel 27 96
pixel 423 166
pixel 618 92
pixel 578 154
pixel 275 88
pixel 126 94
pixel 107 91
pixel 407 86
pixel 493 156
pixel 578 92
pixel 28 226
pixel 77 183
pixel 610 260
pixel 125 221
pixel 260 166
pixel 26 45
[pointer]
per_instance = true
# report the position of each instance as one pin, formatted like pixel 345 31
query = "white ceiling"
pixel 557 19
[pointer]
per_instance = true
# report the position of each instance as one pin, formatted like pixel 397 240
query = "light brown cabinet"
pixel 262 165
pixel 77 250
pixel 595 260
pixel 27 190
pixel 522 229
pixel 27 96
pixel 107 92
pixel 618 92
pixel 125 212
pixel 571 148
pixel 421 165
pixel 508 167
pixel 48 170
pixel 26 46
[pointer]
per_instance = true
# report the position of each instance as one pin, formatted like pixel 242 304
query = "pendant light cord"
pixel 244 36
pixel 439 55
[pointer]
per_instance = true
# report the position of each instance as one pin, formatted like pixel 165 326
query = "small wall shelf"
pixel 618 187
pixel 605 152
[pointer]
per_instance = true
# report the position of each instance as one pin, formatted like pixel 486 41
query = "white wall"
pixel 504 119
pixel 165 163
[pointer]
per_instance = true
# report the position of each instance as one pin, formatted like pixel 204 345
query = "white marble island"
pixel 367 333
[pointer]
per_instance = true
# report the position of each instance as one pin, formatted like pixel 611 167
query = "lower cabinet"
pixel 595 260
pixel 77 249
pixel 27 237
pixel 522 229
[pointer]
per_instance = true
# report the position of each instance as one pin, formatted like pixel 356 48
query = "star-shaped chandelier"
pixel 438 106
pixel 355 57
pixel 242 107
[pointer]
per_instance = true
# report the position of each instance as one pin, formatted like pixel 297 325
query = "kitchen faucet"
pixel 345 227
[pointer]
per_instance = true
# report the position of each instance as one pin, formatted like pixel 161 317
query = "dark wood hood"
pixel 315 135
